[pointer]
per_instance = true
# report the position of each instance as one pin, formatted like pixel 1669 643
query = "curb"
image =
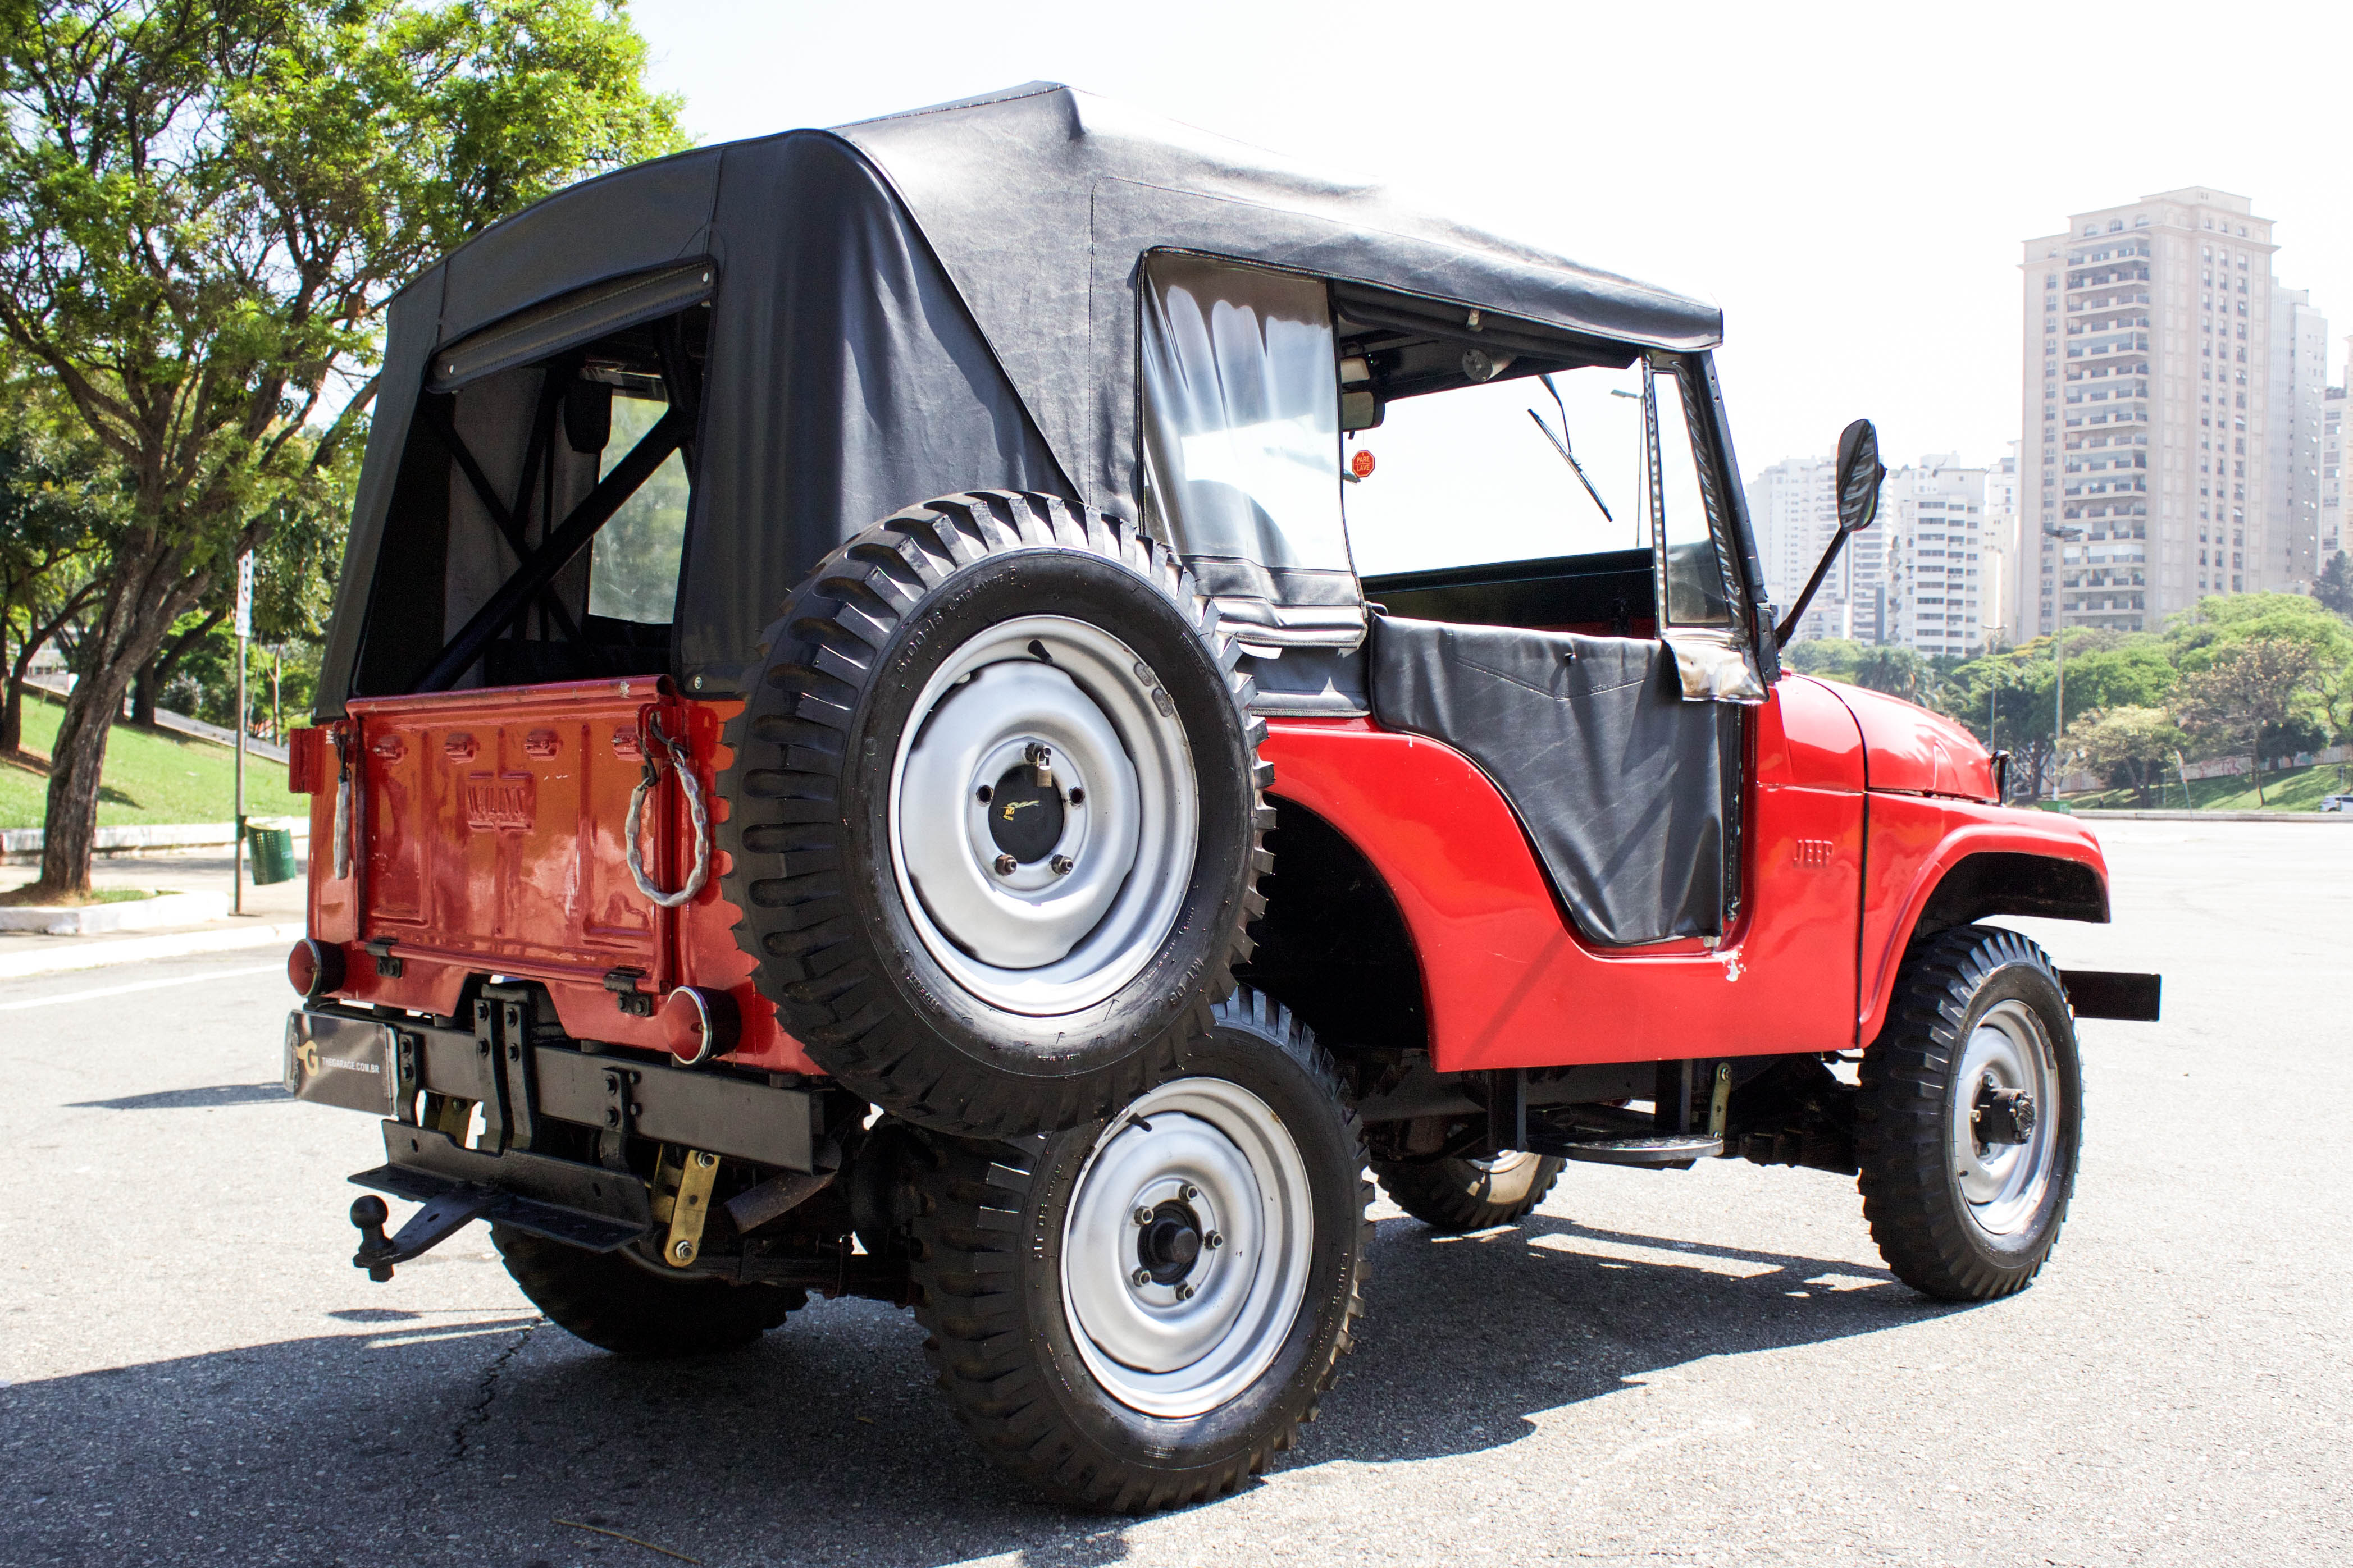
pixel 147 949
pixel 19 844
pixel 166 908
pixel 2096 815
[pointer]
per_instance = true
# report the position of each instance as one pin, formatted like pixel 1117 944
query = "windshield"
pixel 1465 477
pixel 1530 467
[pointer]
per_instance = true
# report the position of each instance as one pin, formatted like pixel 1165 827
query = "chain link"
pixel 683 766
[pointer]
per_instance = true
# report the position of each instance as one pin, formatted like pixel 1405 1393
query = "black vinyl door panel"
pixel 1622 785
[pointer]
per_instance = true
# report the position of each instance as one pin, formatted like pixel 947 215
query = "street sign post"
pixel 244 631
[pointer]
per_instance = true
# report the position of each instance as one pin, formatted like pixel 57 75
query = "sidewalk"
pixel 273 916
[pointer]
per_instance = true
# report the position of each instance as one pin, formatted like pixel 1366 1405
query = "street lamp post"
pixel 2059 657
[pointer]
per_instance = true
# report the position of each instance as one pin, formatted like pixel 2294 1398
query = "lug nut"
pixel 1005 865
pixel 1062 865
pixel 1188 1192
pixel 1216 1238
pixel 1142 1217
pixel 1184 1292
pixel 1078 796
pixel 1140 1279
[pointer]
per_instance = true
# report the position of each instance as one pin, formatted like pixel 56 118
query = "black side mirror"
pixel 1859 473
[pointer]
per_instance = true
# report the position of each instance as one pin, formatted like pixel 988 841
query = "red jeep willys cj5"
pixel 1039 906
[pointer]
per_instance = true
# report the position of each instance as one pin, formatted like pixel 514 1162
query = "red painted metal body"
pixel 487 837
pixel 1834 875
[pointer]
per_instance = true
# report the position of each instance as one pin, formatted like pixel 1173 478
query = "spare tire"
pixel 996 815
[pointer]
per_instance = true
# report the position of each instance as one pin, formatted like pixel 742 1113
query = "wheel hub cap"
pixel 2004 1142
pixel 1169 1245
pixel 1025 817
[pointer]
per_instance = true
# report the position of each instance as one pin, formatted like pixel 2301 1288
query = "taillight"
pixel 315 968
pixel 699 1023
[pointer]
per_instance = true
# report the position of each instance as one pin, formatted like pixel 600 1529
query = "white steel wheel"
pixel 1142 1312
pixel 1185 1248
pixel 1970 1115
pixel 2006 1118
pixel 1044 814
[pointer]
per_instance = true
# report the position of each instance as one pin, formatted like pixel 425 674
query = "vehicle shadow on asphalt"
pixel 491 1437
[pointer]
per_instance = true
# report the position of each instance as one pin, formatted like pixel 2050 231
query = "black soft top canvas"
pixel 929 302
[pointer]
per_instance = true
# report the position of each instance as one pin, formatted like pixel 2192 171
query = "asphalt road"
pixel 1708 1367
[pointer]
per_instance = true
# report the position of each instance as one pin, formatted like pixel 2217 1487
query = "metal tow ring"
pixel 683 766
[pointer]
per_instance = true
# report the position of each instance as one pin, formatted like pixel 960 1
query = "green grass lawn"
pixel 151 777
pixel 2292 789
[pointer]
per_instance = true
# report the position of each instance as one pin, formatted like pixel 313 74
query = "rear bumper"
pixel 531 1097
pixel 580 1205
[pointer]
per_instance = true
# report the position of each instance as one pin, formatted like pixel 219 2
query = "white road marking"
pixel 139 985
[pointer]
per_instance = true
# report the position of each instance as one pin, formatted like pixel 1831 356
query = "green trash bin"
pixel 273 854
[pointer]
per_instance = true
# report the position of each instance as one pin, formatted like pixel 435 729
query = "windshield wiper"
pixel 1560 445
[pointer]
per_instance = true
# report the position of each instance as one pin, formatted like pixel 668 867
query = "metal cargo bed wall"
pixel 845 380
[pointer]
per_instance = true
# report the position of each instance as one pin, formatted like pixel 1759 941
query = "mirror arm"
pixel 1813 584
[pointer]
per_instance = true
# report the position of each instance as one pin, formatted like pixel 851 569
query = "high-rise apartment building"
pixel 2299 381
pixel 2149 393
pixel 1793 506
pixel 2001 549
pixel 2337 403
pixel 1933 570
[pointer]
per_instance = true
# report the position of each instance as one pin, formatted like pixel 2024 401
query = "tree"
pixel 2126 744
pixel 204 207
pixel 2244 691
pixel 2334 586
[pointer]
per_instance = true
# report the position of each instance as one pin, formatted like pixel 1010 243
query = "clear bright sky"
pixel 1851 183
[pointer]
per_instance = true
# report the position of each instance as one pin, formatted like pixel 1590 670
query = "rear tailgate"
pixel 487 837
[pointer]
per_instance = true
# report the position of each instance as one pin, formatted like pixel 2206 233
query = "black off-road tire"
pixel 808 828
pixel 623 1306
pixel 1904 1136
pixel 1459 1196
pixel 989 1272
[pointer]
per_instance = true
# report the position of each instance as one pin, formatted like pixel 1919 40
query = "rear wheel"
pixel 620 1305
pixel 995 814
pixel 1969 1115
pixel 1456 1196
pixel 1140 1312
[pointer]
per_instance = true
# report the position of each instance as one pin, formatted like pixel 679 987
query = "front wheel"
pixel 1139 1312
pixel 1969 1115
pixel 1459 1195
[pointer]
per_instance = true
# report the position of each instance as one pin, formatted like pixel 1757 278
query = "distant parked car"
pixel 2337 802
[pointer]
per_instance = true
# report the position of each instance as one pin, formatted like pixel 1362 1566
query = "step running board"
pixel 1670 1151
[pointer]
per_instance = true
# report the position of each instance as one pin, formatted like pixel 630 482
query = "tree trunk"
pixel 76 763
pixel 144 594
pixel 142 696
pixel 12 705
pixel 12 711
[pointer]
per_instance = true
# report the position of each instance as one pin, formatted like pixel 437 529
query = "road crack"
pixel 478 1414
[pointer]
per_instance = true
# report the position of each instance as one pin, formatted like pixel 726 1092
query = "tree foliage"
pixel 2245 688
pixel 2130 745
pixel 204 205
pixel 52 526
pixel 2334 587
